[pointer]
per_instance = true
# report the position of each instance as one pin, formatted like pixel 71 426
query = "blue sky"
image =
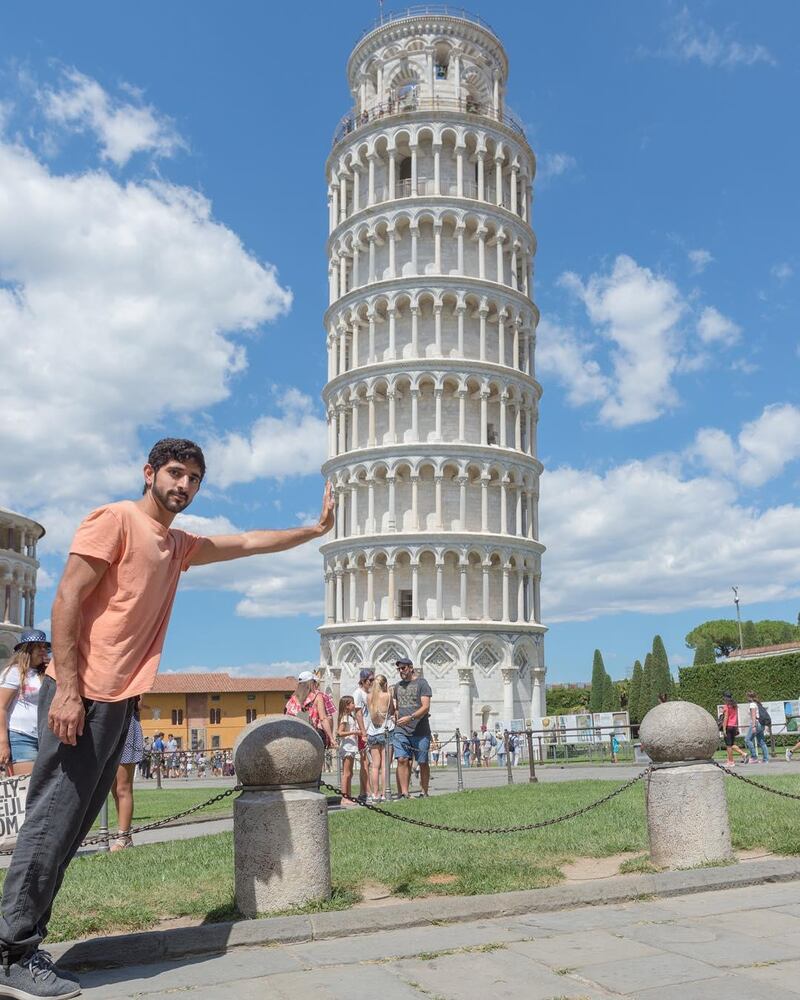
pixel 162 271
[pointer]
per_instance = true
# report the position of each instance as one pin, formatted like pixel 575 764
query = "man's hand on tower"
pixel 326 518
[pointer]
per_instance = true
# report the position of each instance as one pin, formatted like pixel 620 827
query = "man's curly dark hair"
pixel 175 449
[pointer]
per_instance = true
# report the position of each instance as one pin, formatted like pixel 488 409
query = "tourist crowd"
pixel 377 723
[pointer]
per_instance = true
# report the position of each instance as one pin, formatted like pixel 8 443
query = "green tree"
pixel 661 681
pixel 723 632
pixel 610 696
pixel 705 652
pixel 565 699
pixel 647 684
pixel 598 683
pixel 750 636
pixel 634 691
pixel 770 632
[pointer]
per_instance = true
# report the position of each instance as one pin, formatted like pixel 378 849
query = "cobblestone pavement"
pixel 737 942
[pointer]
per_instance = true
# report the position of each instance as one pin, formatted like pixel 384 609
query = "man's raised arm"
pixel 220 548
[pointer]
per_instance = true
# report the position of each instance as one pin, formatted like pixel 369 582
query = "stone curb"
pixel 208 939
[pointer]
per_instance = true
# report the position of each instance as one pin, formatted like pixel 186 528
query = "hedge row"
pixel 773 678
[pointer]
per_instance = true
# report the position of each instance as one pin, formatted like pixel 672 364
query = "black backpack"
pixel 764 718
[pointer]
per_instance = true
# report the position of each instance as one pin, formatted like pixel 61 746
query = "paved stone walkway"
pixel 737 942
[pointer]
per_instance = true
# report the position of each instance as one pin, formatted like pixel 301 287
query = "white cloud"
pixel 292 444
pixel 765 446
pixel 638 312
pixel 699 259
pixel 744 366
pixel 641 538
pixel 550 165
pixel 640 316
pixel 119 305
pixel 782 271
pixel 714 328
pixel 692 40
pixel 561 354
pixel 122 128
pixel 277 668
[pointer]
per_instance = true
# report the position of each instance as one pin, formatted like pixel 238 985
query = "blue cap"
pixel 31 635
pixel 403 662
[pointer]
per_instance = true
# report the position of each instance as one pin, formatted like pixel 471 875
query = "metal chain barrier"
pixel 522 828
pixel 91 841
pixel 755 784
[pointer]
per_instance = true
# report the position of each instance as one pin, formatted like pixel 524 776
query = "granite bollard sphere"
pixel 278 750
pixel 678 730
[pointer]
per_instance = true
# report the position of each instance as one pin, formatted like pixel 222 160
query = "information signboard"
pixel 13 794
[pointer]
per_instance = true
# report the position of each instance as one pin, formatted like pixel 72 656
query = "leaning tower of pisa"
pixel 431 398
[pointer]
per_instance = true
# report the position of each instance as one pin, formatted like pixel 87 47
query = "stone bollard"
pixel 280 819
pixel 687 811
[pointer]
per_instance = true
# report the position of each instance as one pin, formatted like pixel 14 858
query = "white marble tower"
pixel 19 536
pixel 431 398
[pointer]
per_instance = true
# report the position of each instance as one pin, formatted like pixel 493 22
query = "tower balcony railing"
pixel 426 187
pixel 427 10
pixel 356 120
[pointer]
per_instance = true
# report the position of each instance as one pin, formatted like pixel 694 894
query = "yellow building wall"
pixel 157 712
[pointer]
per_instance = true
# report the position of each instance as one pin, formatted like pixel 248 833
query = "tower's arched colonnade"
pixel 432 399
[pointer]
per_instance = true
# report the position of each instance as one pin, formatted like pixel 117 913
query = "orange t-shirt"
pixel 124 620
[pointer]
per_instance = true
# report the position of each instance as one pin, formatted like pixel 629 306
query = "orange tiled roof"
pixel 744 653
pixel 218 683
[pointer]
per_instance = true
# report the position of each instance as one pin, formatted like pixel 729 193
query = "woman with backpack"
pixel 308 700
pixel 759 720
pixel 729 724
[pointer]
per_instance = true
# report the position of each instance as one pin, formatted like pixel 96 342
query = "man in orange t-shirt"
pixel 110 618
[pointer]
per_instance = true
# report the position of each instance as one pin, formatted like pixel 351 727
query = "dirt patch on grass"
pixel 376 894
pixel 756 854
pixel 441 879
pixel 586 869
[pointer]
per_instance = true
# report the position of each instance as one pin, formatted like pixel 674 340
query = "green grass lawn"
pixel 137 888
pixel 150 804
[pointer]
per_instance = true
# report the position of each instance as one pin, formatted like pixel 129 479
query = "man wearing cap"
pixel 412 731
pixel 110 618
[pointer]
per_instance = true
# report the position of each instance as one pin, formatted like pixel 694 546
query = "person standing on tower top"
pixel 110 618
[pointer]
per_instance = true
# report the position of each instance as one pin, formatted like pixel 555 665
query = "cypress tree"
pixel 608 694
pixel 634 692
pixel 647 684
pixel 598 683
pixel 662 677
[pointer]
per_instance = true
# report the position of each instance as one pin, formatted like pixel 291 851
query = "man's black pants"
pixel 66 792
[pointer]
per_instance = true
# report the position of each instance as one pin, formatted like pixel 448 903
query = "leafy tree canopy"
pixel 567 700
pixel 724 633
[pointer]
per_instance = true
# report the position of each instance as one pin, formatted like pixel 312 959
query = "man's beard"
pixel 170 500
